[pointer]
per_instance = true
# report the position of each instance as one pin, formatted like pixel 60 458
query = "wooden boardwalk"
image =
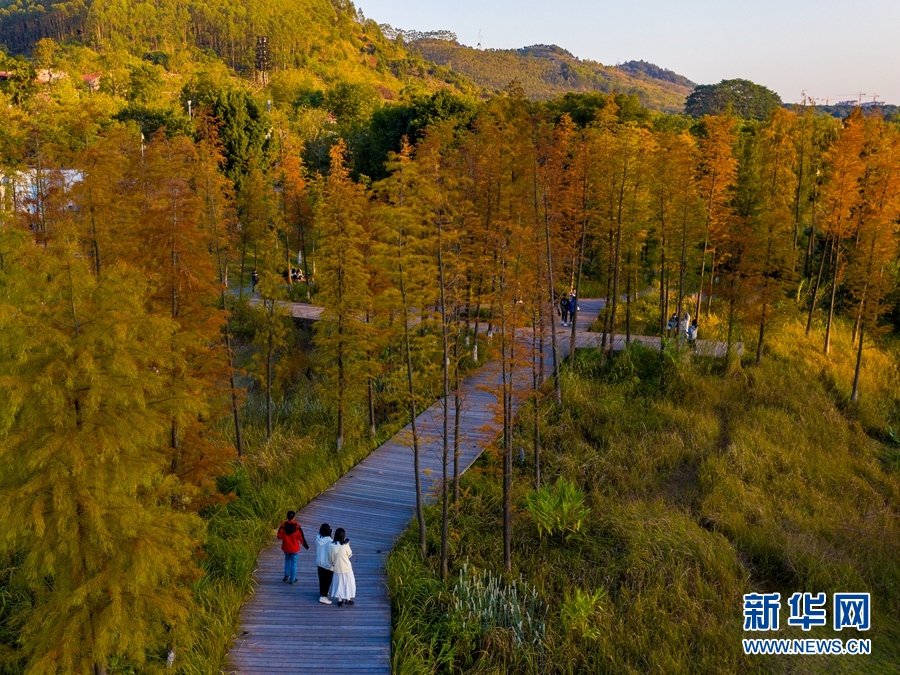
pixel 284 629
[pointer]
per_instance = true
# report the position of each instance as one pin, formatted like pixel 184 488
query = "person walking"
pixel 323 563
pixel 673 322
pixel 254 280
pixel 343 585
pixel 692 334
pixel 685 324
pixel 291 535
pixel 564 310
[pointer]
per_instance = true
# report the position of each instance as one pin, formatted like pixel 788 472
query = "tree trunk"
pixel 628 303
pixel 457 405
pixel 837 264
pixel 574 316
pixel 370 395
pixel 702 273
pixel 615 291
pixel 302 232
pixel 608 298
pixel 420 509
pixel 445 444
pixel 269 350
pixel 557 386
pixel 507 438
pixel 815 291
pixel 854 396
pixel 762 329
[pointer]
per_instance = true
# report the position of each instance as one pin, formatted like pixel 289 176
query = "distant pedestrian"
pixel 254 280
pixel 685 324
pixel 673 322
pixel 291 536
pixel 323 564
pixel 564 310
pixel 692 334
pixel 343 585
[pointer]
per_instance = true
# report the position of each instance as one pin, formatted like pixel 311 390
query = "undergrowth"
pixel 703 482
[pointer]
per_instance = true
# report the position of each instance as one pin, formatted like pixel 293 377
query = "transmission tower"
pixel 262 59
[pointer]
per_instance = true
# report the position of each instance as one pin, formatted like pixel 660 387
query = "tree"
pixel 408 258
pixel 341 332
pixel 772 251
pixel 675 205
pixel 740 97
pixel 840 198
pixel 272 329
pixel 217 212
pixel 44 53
pixel 85 492
pixel 873 265
pixel 716 176
pixel 178 256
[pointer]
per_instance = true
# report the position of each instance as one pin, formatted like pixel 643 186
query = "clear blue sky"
pixel 830 48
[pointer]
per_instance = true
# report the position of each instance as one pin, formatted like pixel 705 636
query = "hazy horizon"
pixel 831 49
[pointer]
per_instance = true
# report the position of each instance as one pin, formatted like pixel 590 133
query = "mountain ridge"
pixel 546 70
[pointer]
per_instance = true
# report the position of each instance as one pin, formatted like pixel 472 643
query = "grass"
pixel 704 482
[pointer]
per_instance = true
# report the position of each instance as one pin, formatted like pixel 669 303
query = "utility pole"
pixel 262 59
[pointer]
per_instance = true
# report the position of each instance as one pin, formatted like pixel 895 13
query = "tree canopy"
pixel 743 97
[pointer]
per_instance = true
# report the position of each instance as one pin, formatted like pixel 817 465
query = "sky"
pixel 832 49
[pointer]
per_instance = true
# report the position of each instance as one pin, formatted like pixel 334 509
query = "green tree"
pixel 740 97
pixel 408 258
pixel 342 281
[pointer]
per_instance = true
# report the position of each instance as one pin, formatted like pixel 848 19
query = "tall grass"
pixel 704 482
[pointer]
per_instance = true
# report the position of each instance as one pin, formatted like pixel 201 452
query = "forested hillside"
pixel 326 39
pixel 545 71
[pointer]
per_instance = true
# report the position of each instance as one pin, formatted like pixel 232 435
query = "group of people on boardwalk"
pixel 333 554
pixel 684 328
pixel 567 308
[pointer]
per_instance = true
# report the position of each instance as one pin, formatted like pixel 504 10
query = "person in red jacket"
pixel 291 535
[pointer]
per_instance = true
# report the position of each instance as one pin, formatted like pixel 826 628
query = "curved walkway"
pixel 284 629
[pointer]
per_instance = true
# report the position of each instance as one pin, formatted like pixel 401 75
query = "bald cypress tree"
pixel 85 494
pixel 343 287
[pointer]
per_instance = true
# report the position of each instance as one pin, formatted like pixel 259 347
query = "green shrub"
pixel 582 612
pixel 558 510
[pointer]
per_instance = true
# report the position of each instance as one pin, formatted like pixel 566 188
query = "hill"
pixel 328 39
pixel 546 71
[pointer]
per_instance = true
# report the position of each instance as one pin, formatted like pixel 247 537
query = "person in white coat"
pixel 323 563
pixel 343 585
pixel 685 324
